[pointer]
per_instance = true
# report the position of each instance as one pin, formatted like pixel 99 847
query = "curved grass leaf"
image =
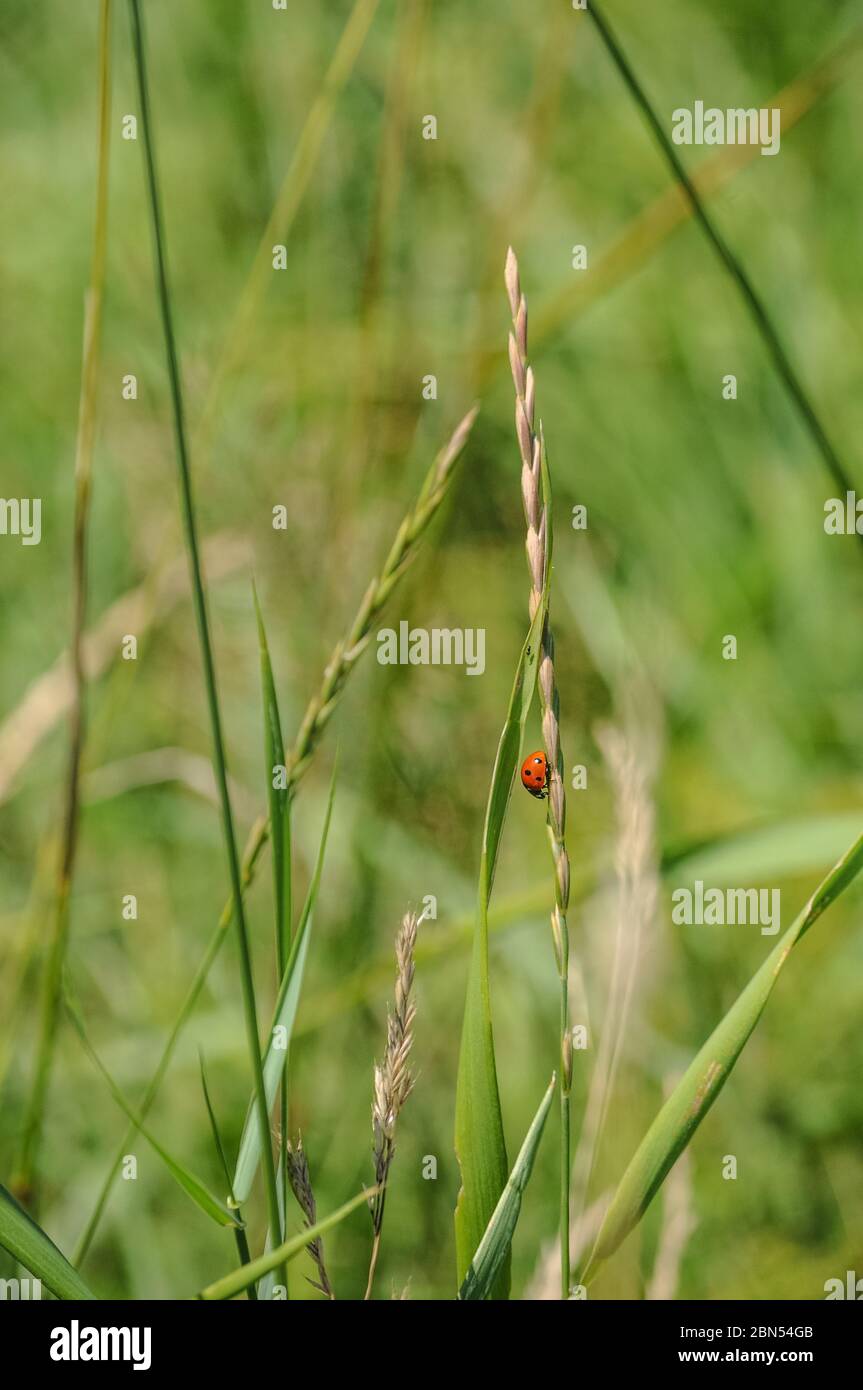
pixel 285 1012
pixel 479 1139
pixel 691 1099
pixel 239 1279
pixel 23 1238
pixel 198 1192
pixel 494 1248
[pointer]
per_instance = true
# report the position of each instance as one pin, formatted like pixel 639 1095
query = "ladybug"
pixel 534 774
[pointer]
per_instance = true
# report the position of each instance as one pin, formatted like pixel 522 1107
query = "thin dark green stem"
pixel 200 605
pixel 245 1258
pixel 731 262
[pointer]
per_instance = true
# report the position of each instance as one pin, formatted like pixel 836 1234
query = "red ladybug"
pixel 534 774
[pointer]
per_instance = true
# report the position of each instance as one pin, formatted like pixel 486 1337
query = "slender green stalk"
pixel 200 606
pixel 536 495
pixel 52 981
pixel 565 1121
pixel 731 262
pixel 321 707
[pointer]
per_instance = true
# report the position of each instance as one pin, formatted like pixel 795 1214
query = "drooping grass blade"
pixel 691 1099
pixel 199 1193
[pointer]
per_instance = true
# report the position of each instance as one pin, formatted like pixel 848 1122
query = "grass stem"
pixel 729 259
pixel 200 606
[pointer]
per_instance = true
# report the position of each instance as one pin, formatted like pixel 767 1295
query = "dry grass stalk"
pixel 51 695
pixel 393 1078
pixel 301 1186
pixel 531 446
pixel 631 757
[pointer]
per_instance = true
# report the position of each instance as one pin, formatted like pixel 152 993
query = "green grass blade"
pixel 283 1017
pixel 214 1125
pixel 193 1186
pixel 239 1279
pixel 239 1231
pixel 494 1248
pixel 279 811
pixel 277 797
pixel 691 1099
pixel 20 1235
pixel 479 1139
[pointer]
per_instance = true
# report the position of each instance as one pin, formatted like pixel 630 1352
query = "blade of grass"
pixel 201 616
pixel 277 800
pixel 239 1231
pixel 494 1248
pixel 198 1191
pixel 651 228
pixel 53 974
pixel 239 1279
pixel 479 1138
pixel 284 1014
pixel 318 713
pixel 279 808
pixel 20 1235
pixel 729 259
pixel 691 1099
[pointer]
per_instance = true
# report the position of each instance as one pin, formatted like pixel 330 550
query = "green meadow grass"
pixel 304 389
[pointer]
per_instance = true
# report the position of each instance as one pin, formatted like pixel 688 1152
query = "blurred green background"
pixel 705 519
